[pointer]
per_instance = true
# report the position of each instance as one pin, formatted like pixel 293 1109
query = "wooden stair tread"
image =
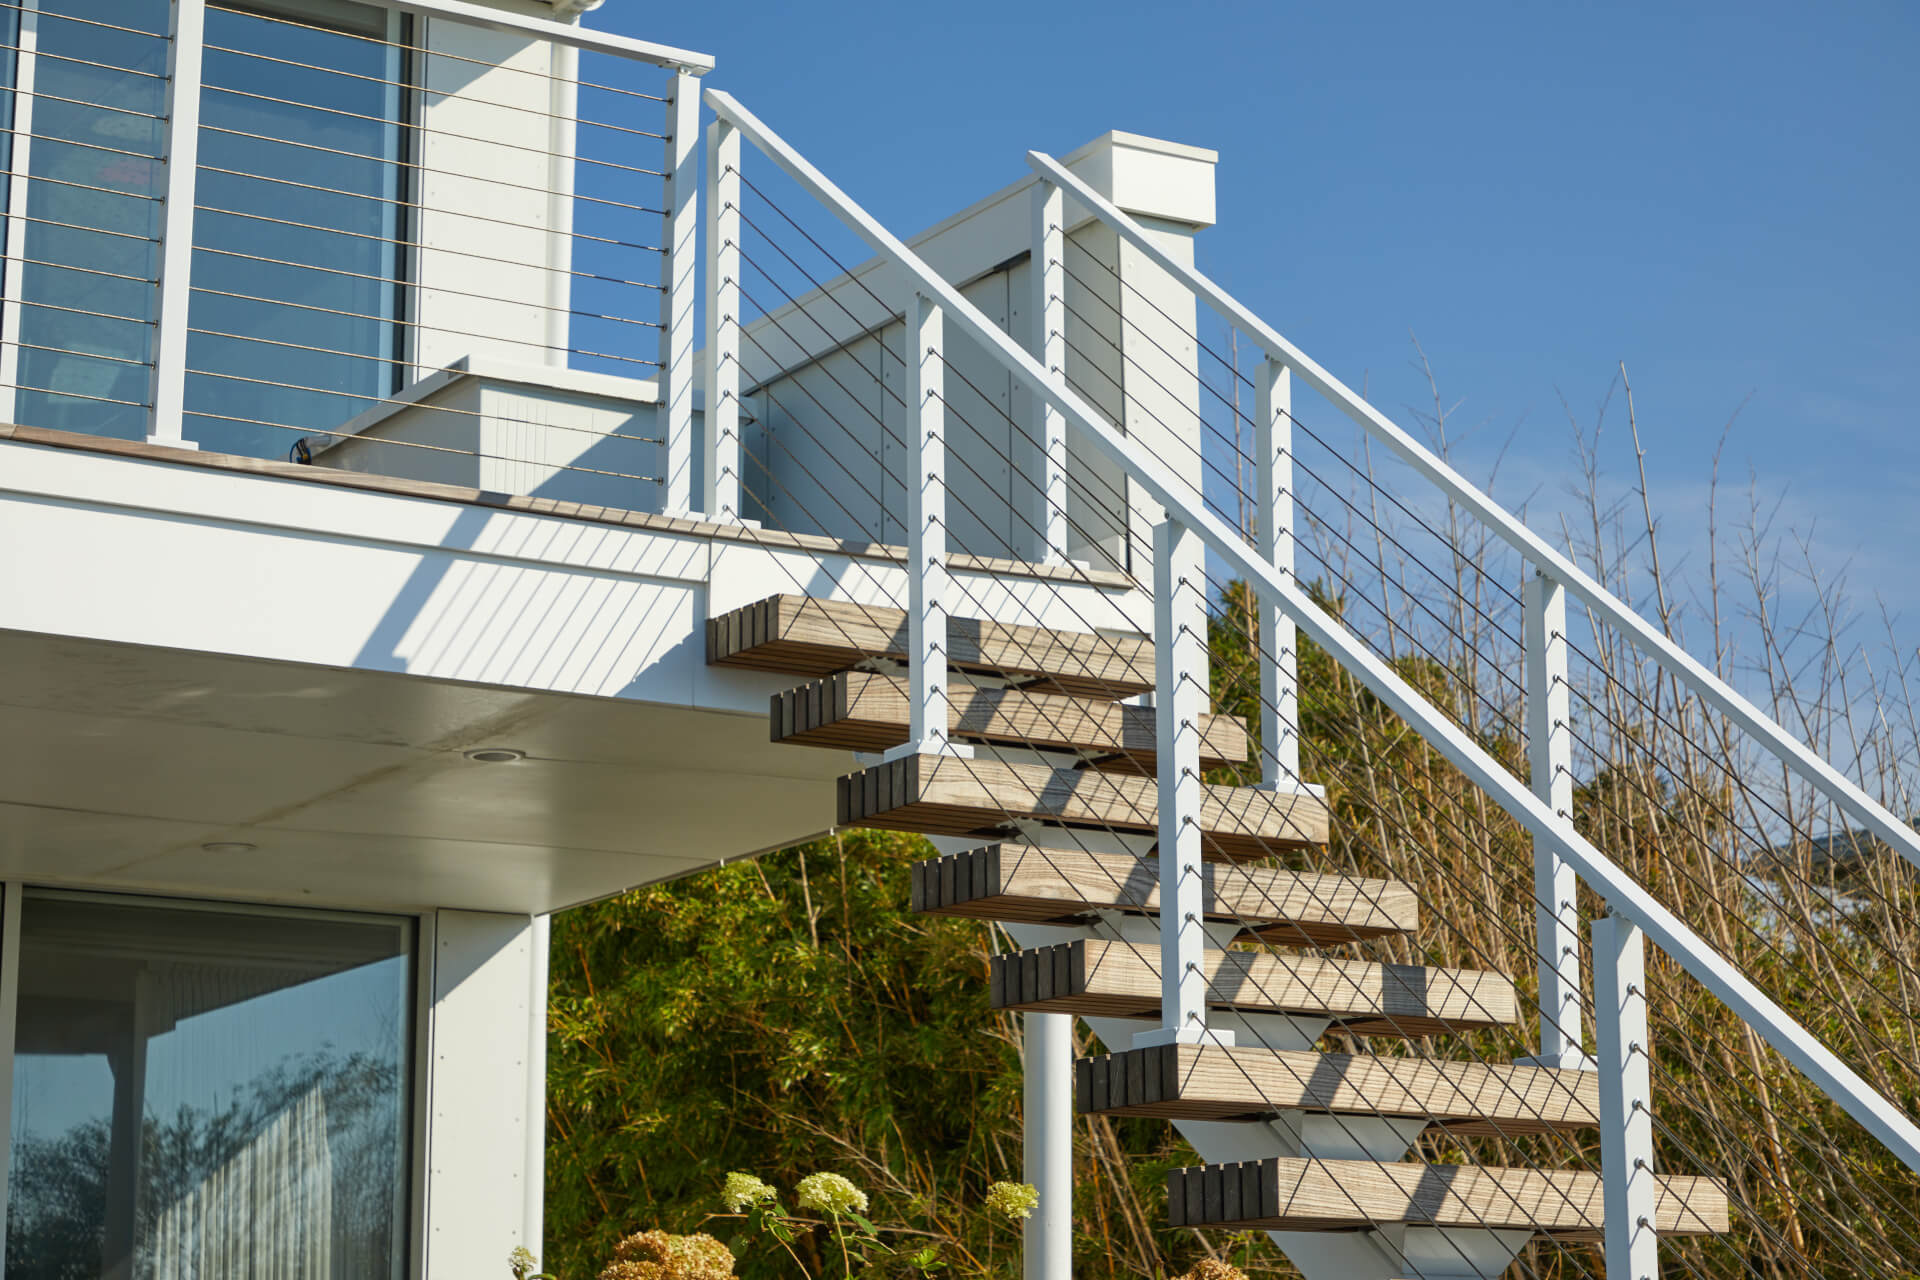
pixel 1027 883
pixel 1281 1194
pixel 958 796
pixel 1118 979
pixel 1208 1082
pixel 809 637
pixel 867 711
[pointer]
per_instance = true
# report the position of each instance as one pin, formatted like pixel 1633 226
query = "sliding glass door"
pixel 202 1092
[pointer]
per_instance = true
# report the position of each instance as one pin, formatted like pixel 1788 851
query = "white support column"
pixel 724 460
pixel 1626 1099
pixel 1047 1247
pixel 1273 495
pixel 927 579
pixel 1049 309
pixel 1550 758
pixel 485 1149
pixel 680 194
pixel 174 291
pixel 1180 699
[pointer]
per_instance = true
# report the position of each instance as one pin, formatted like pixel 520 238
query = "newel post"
pixel 1550 759
pixel 1626 1099
pixel 679 271
pixel 174 289
pixel 724 455
pixel 1180 700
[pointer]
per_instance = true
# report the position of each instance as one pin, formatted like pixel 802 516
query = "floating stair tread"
pixel 1097 977
pixel 867 711
pixel 810 637
pixel 1341 1195
pixel 1032 884
pixel 961 796
pixel 1208 1082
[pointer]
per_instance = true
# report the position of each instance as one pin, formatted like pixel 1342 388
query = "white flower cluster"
pixel 830 1193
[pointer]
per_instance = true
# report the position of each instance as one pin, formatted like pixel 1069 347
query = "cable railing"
pixel 437 241
pixel 1497 619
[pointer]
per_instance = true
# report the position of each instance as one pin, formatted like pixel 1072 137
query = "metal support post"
pixel 173 290
pixel 1550 758
pixel 1180 699
pixel 1050 349
pixel 680 198
pixel 927 580
pixel 1626 1099
pixel 723 461
pixel 1047 1249
pixel 1273 490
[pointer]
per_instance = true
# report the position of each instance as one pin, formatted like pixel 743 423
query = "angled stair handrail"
pixel 1886 1121
pixel 1795 754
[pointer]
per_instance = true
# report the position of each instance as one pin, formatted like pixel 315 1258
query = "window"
pixel 201 1091
pixel 299 264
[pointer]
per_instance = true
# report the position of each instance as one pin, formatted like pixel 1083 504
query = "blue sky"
pixel 1722 195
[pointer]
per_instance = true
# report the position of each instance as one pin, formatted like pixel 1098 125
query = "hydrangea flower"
pixel 830 1193
pixel 655 1255
pixel 1014 1201
pixel 743 1191
pixel 521 1262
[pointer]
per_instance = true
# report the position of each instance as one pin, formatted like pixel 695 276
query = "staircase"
pixel 1055 794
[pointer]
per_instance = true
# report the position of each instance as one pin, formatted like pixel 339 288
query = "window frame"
pixel 416 931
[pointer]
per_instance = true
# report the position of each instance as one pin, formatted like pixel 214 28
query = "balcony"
pixel 355 365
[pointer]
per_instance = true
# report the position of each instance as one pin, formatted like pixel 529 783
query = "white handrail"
pixel 1792 1041
pixel 564 33
pixel 1791 751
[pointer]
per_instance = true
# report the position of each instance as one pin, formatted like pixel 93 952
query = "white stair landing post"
pixel 928 588
pixel 1180 700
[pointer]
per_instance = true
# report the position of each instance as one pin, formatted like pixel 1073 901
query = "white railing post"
pixel 174 290
pixel 1049 309
pixel 1273 505
pixel 1626 1099
pixel 680 200
pixel 724 459
pixel 928 589
pixel 1180 699
pixel 1047 1145
pixel 1550 760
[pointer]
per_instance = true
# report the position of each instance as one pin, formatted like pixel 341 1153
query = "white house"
pixel 436 434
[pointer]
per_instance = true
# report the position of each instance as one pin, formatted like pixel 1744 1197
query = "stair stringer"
pixel 1388 1253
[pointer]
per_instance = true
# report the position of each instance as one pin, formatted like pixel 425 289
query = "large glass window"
pixel 299 264
pixel 87 123
pixel 202 1092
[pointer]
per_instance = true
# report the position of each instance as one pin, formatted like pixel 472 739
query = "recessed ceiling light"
pixel 496 755
pixel 229 846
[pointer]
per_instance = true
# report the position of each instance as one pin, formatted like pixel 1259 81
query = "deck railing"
pixel 1195 538
pixel 394 237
